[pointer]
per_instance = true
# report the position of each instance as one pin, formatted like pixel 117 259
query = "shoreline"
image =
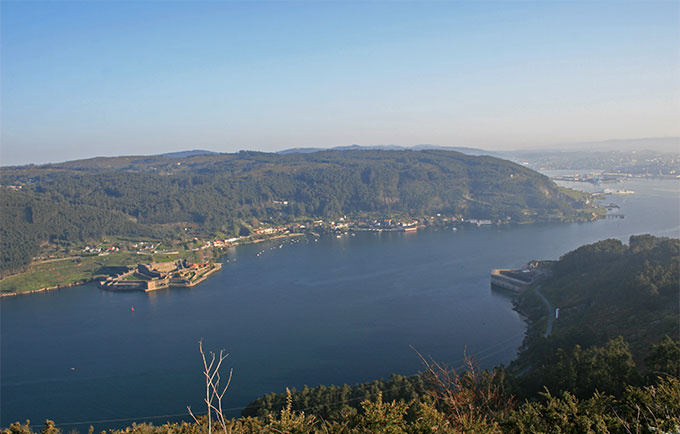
pixel 275 237
pixel 246 241
pixel 48 288
pixel 192 284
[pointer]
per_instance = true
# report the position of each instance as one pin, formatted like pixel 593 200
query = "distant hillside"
pixel 186 154
pixel 227 193
pixel 301 150
pixel 462 150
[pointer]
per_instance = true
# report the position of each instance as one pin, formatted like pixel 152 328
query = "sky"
pixel 104 78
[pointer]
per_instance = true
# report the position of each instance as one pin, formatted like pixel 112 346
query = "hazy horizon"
pixel 660 144
pixel 87 79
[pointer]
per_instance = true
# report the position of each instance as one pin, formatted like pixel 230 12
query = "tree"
pixel 472 400
pixel 213 391
pixel 383 418
pixel 664 358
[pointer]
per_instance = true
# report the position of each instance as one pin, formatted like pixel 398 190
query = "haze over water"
pixel 290 313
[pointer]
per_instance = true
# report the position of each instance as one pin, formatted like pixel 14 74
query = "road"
pixel 551 311
pixel 548 330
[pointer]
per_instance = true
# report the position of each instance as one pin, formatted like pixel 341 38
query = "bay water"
pixel 302 311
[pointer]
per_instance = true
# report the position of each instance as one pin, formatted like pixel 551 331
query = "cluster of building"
pixel 480 222
pixel 262 231
pixel 160 275
pixel 141 248
pixel 387 224
pixel 101 251
pixel 345 224
pixel 593 178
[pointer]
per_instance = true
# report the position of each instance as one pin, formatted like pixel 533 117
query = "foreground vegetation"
pixel 585 378
pixel 651 409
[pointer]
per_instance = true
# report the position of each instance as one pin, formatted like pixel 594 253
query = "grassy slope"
pixel 66 271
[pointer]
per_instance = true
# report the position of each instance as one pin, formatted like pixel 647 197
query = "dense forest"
pixel 575 381
pixel 231 193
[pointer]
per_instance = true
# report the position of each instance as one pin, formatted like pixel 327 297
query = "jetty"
pixel 518 280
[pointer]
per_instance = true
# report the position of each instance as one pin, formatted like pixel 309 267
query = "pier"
pixel 518 280
pixel 509 280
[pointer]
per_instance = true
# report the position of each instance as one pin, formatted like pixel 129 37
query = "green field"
pixel 67 271
pixel 82 268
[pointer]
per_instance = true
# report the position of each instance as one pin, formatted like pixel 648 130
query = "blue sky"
pixel 81 79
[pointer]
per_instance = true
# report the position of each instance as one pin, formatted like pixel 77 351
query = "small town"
pixel 198 245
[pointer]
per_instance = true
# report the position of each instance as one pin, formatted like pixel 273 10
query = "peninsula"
pixel 72 222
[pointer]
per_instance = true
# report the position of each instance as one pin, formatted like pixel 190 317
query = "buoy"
pixel 132 309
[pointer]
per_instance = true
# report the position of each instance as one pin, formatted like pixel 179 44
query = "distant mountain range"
pixel 650 156
pixel 670 146
pixel 654 144
pixel 187 154
pixel 461 149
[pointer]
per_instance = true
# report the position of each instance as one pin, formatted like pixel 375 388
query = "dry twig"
pixel 213 392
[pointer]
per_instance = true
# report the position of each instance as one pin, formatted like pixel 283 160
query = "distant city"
pixel 636 163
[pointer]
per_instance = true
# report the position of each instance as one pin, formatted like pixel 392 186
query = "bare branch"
pixel 471 397
pixel 191 413
pixel 213 392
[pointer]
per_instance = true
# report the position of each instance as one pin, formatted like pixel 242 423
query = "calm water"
pixel 302 312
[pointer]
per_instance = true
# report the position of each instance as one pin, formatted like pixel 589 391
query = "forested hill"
pixel 604 290
pixel 225 193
